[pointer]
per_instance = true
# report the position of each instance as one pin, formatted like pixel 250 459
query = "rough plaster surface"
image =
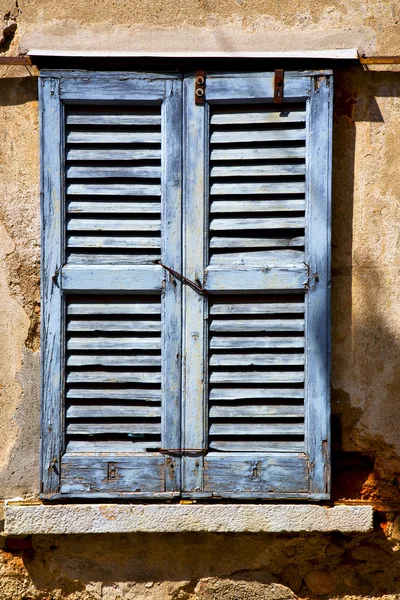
pixel 206 566
pixel 372 26
pixel 19 283
pixel 120 518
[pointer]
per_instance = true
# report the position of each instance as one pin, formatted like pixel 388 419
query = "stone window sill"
pixel 35 518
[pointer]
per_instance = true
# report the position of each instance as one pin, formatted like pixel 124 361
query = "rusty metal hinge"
pixel 55 275
pixel 312 279
pixel 199 90
pixel 278 86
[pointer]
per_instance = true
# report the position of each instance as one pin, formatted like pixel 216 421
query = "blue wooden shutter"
pixel 111 333
pixel 256 346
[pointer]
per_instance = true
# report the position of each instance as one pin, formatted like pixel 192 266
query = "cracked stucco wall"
pixel 365 301
pixel 19 281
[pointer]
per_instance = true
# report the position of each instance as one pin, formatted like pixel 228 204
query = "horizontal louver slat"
pixel 112 154
pixel 112 189
pixel 257 170
pixel 113 225
pixel 245 325
pixel 114 343
pixel 267 343
pixel 254 242
pixel 88 429
pixel 261 116
pixel 257 135
pixel 87 118
pixel 109 242
pixel 109 137
pixel 258 153
pixel 246 206
pixel 113 372
pixel 81 206
pixel 126 394
pixel 146 326
pixel 114 361
pixel 110 172
pixel 256 373
pixel 110 308
pixel 251 223
pixel 89 411
pixel 250 360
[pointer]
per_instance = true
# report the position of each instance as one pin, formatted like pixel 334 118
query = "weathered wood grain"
pixel 243 342
pixel 261 116
pixel 219 394
pixel 79 360
pixel 255 475
pixel 85 118
pixel 270 308
pixel 267 325
pixel 251 206
pixel 98 154
pixel 52 371
pixel 250 359
pixel 113 343
pixel 223 279
pixel 257 377
pixel 112 278
pixel 318 251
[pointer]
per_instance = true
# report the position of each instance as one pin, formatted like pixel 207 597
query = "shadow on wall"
pixel 366 382
pixel 203 566
pixel 365 349
pixel 22 90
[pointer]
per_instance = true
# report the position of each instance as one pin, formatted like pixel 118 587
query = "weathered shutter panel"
pixel 263 205
pixel 115 377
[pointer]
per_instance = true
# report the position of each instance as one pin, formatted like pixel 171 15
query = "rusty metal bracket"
pixel 16 60
pixel 379 60
pixel 199 90
pixel 183 451
pixel 278 86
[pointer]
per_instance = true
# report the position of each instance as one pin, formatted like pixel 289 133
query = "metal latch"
pixel 199 90
pixel 278 86
pixel 195 285
pixel 111 470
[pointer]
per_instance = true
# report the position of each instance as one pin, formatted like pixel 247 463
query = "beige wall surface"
pixel 365 307
pixel 195 25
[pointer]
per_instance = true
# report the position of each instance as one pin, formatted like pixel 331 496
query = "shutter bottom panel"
pixel 139 475
pixel 256 475
pixel 256 374
pixel 113 373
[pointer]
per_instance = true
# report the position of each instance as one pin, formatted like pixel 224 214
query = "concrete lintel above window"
pixel 331 54
pixel 38 519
